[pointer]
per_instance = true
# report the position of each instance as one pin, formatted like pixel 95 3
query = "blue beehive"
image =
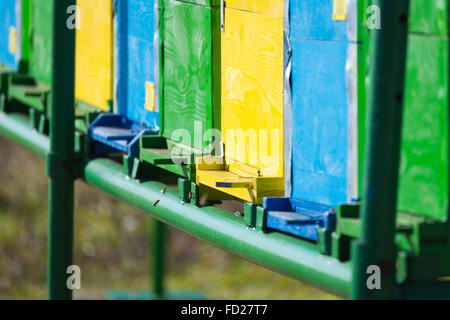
pixel 10 17
pixel 136 111
pixel 323 152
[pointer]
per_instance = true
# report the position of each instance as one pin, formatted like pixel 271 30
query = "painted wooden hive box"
pixel 94 56
pixel 15 43
pixel 135 111
pixel 189 85
pixel 322 159
pixel 423 188
pixel 250 164
pixel 423 175
pixel 10 33
pixel 32 86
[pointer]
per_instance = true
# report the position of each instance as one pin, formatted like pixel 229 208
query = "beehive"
pixel 326 77
pixel 189 83
pixel 41 41
pixel 9 33
pixel 94 54
pixel 324 101
pixel 135 72
pixel 134 88
pixel 189 71
pixel 251 103
pixel 32 85
pixel 423 184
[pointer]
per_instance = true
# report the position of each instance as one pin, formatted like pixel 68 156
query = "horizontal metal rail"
pixel 15 127
pixel 285 254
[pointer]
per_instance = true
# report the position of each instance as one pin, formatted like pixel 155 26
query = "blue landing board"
pixel 118 133
pixel 313 20
pixel 135 59
pixel 9 13
pixel 299 218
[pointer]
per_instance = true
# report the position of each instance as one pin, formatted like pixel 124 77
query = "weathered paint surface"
pixel 190 71
pixel 319 113
pixel 8 30
pixel 41 43
pixel 136 60
pixel 252 91
pixel 423 185
pixel 273 8
pixel 94 53
pixel 323 163
pixel 429 17
pixel 312 19
pixel 252 105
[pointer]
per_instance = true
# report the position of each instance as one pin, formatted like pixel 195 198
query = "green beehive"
pixel 33 88
pixel 429 17
pixel 188 75
pixel 189 83
pixel 423 175
pixel 423 184
pixel 41 41
pixel 423 188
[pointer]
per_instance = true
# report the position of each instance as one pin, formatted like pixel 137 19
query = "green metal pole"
pixel 60 160
pixel 376 245
pixel 157 257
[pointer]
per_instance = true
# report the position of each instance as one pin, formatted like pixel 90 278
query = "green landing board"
pixel 423 185
pixel 429 17
pixel 41 40
pixel 189 71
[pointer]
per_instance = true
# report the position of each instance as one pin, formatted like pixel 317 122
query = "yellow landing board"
pixel 252 107
pixel 274 8
pixel 250 188
pixel 94 53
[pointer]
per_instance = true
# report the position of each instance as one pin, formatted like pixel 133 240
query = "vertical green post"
pixel 60 160
pixel 157 257
pixel 376 245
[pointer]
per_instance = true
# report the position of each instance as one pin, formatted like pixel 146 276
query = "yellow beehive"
pixel 94 53
pixel 252 103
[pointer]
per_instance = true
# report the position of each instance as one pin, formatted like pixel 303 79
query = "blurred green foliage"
pixel 111 246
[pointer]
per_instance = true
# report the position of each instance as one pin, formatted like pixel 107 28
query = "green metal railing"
pixel 288 255
pixel 282 253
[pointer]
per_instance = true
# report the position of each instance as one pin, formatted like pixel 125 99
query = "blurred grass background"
pixel 111 246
